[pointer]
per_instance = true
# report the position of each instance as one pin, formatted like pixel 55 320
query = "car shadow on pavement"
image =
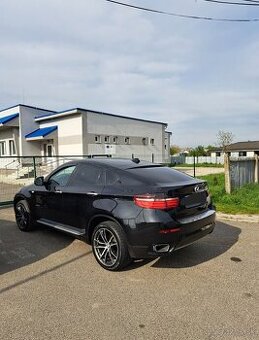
pixel 218 242
pixel 18 249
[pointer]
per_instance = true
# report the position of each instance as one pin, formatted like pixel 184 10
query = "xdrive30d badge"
pixel 126 209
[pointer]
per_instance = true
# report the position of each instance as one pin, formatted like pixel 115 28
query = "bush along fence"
pixel 240 171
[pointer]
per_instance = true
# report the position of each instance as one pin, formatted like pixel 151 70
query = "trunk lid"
pixel 193 198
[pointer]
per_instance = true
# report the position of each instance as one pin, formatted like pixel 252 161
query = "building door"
pixel 48 150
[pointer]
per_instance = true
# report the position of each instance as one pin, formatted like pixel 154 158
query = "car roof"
pixel 119 163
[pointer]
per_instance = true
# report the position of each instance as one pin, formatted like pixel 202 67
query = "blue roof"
pixel 7 119
pixel 41 132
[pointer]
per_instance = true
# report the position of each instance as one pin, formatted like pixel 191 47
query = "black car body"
pixel 127 209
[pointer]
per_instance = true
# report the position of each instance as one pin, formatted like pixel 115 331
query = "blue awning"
pixel 7 119
pixel 41 133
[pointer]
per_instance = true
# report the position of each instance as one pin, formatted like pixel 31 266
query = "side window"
pixel 120 178
pixel 88 174
pixel 112 178
pixel 62 177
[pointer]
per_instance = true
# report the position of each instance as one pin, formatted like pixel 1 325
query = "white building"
pixel 30 131
pixel 239 149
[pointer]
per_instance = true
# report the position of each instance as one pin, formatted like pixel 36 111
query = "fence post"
pixel 256 168
pixel 194 169
pixel 227 174
pixel 34 166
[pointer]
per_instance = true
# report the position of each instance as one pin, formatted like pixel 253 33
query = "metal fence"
pixel 240 171
pixel 182 159
pixel 15 172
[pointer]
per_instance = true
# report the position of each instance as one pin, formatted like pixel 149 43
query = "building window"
pixel 98 139
pixel 144 141
pixel 242 154
pixel 152 141
pixel 2 148
pixel 12 150
pixel 115 139
pixel 127 140
pixel 165 147
pixel 218 153
pixel 107 139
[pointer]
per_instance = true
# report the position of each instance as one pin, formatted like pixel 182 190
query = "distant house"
pixel 239 149
pixel 31 131
pixel 244 149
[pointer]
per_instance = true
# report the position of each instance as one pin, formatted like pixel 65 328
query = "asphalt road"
pixel 52 288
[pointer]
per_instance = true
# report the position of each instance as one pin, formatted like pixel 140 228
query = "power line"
pixel 181 15
pixel 255 1
pixel 247 3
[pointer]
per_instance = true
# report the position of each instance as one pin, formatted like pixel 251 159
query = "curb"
pixel 238 218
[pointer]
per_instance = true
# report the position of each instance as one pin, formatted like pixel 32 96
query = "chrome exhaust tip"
pixel 161 248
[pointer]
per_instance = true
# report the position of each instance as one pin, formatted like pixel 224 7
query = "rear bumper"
pixel 191 229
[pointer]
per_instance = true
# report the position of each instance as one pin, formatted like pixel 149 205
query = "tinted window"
pixel 62 176
pixel 88 174
pixel 121 178
pixel 112 178
pixel 160 175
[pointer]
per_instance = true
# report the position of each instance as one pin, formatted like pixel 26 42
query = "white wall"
pixel 27 125
pixel 98 124
pixel 248 154
pixel 10 130
pixel 69 139
pixel 167 143
pixel 205 159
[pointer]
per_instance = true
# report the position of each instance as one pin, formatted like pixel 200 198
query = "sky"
pixel 198 76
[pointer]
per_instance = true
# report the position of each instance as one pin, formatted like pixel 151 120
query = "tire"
pixel 110 247
pixel 23 216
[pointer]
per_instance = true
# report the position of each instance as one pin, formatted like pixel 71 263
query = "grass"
pixel 242 201
pixel 199 165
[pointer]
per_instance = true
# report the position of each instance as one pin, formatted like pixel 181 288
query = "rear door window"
pixel 87 175
pixel 112 178
pixel 122 182
pixel 120 178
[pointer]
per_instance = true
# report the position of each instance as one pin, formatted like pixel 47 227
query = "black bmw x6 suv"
pixel 126 209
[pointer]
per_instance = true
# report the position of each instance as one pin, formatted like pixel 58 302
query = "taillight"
pixel 156 202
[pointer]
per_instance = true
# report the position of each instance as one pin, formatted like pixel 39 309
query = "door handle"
pixel 58 191
pixel 92 193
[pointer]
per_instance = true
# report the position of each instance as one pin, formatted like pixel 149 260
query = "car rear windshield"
pixel 160 175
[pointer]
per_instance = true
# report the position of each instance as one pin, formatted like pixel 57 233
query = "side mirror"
pixel 39 181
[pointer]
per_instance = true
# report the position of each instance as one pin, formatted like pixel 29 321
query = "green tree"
pixel 198 151
pixel 209 149
pixel 174 149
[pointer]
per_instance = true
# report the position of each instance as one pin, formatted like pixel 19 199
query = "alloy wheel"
pixel 22 216
pixel 106 246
